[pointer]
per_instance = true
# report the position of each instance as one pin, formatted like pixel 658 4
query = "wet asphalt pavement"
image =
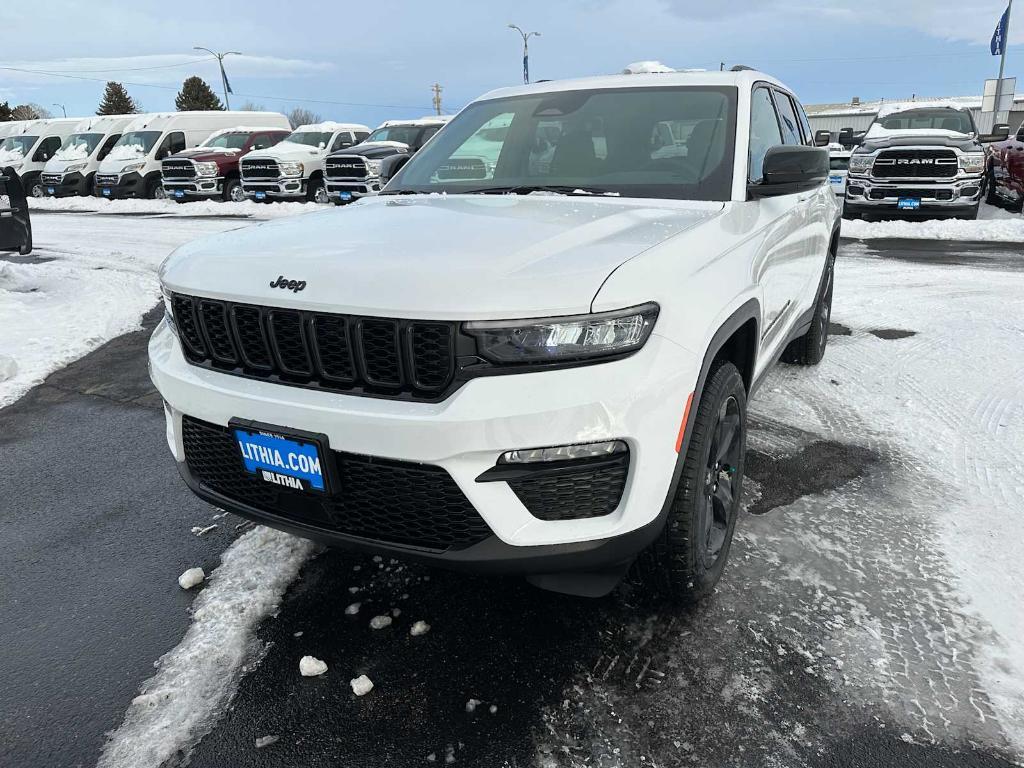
pixel 97 528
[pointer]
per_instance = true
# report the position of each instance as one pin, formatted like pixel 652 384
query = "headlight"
pixel 169 311
pixel 861 163
pixel 290 169
pixel 555 339
pixel 373 166
pixel 206 169
pixel 973 162
pixel 75 167
pixel 131 168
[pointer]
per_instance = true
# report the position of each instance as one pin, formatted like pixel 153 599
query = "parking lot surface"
pixel 867 616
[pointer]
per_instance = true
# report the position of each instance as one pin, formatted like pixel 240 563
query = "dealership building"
pixel 858 114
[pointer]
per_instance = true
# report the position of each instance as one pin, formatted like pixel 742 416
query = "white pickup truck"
pixel 537 363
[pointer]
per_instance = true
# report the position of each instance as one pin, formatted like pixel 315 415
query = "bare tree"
pixel 251 106
pixel 302 116
pixel 30 112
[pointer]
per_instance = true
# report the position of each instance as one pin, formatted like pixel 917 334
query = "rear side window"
pixel 343 140
pixel 788 119
pixel 764 131
pixel 173 142
pixel 46 149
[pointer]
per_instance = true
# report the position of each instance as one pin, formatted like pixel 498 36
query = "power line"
pixel 188 63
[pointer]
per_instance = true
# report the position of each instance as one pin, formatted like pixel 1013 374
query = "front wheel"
pixel 687 559
pixel 809 349
pixel 233 191
pixel 155 190
pixel 317 192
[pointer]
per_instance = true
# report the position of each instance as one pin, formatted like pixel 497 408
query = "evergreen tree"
pixel 196 94
pixel 5 112
pixel 116 101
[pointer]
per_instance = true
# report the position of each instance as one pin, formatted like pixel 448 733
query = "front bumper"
pixel 120 186
pixel 352 189
pixel 284 188
pixel 639 399
pixel 64 184
pixel 868 195
pixel 200 187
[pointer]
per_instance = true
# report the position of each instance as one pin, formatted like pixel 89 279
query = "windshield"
pixel 310 138
pixel 18 145
pixel 403 133
pixel 839 163
pixel 79 146
pixel 134 143
pixel 943 119
pixel 228 141
pixel 635 142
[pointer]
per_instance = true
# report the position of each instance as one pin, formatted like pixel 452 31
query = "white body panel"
pixel 31 162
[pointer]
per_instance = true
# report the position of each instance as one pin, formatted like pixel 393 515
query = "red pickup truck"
pixel 1006 172
pixel 211 169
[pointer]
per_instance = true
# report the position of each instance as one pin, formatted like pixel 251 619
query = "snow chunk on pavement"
pixel 379 622
pixel 266 741
pixel 196 680
pixel 419 628
pixel 361 685
pixel 472 704
pixel 191 578
pixel 353 609
pixel 310 666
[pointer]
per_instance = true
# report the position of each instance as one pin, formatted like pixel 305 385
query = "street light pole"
pixel 55 104
pixel 526 50
pixel 223 74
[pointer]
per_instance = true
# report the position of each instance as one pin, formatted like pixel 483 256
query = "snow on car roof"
pixel 246 129
pixel 428 120
pixel 329 125
pixel 743 78
pixel 903 106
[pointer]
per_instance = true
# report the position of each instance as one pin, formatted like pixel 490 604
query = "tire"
pixel 809 349
pixel 233 191
pixel 155 190
pixel 34 186
pixel 990 190
pixel 316 192
pixel 970 215
pixel 687 559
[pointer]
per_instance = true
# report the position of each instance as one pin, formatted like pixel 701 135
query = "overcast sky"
pixel 369 62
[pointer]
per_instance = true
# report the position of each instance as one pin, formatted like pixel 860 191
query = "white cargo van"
pixel 72 170
pixel 294 168
pixel 132 168
pixel 28 147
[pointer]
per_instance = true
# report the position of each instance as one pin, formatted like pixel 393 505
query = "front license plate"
pixel 179 193
pixel 106 192
pixel 344 196
pixel 281 458
pixel 908 204
pixel 261 195
pixel 837 180
pixel 51 191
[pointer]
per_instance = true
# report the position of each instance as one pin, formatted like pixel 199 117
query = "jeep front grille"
pixel 405 359
pixel 915 164
pixel 259 169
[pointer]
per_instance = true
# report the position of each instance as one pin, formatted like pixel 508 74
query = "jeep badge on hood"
pixel 292 285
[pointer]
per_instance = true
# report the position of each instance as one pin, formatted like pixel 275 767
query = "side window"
pixel 804 123
pixel 361 136
pixel 429 131
pixel 262 141
pixel 764 131
pixel 173 142
pixel 107 146
pixel 788 119
pixel 47 148
pixel 343 140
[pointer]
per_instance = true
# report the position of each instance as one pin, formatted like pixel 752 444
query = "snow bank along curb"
pixel 197 679
pixel 983 230
pixel 171 208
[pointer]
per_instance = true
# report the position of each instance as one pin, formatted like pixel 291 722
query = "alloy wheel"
pixel 720 482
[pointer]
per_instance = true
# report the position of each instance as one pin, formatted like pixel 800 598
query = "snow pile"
pixel 197 679
pixel 361 685
pixel 126 152
pixel 266 741
pixel 647 68
pixel 993 225
pixel 192 577
pixel 77 151
pixel 353 609
pixel 244 209
pixel 310 666
pixel 11 156
pixel 472 704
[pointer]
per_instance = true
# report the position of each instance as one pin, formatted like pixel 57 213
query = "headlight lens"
pixel 973 162
pixel 374 167
pixel 169 311
pixel 206 169
pixel 861 163
pixel 290 169
pixel 132 167
pixel 564 338
pixel 75 167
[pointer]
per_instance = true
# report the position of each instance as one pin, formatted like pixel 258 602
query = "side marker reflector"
pixel 682 426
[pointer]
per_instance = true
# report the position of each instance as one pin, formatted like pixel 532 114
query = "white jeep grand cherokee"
pixel 533 351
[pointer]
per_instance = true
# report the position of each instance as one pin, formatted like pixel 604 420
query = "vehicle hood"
pixel 286 150
pixel 59 164
pixel 453 257
pixel 201 153
pixel 374 150
pixel 918 137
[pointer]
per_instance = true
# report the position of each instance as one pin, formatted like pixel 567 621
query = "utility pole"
pixel 55 104
pixel 436 88
pixel 223 74
pixel 1002 60
pixel 526 50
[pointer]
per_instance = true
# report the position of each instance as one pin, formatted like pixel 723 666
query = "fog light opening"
pixel 564 452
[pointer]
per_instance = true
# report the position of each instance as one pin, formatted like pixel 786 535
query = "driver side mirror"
pixel 822 138
pixel 789 169
pixel 1000 132
pixel 391 165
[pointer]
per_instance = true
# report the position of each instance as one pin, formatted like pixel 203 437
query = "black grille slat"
pixel 178 169
pixel 213 318
pixel 260 169
pixel 593 490
pixel 398 502
pixel 252 337
pixel 333 349
pixel 372 356
pixel 289 342
pixel 380 355
pixel 345 168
